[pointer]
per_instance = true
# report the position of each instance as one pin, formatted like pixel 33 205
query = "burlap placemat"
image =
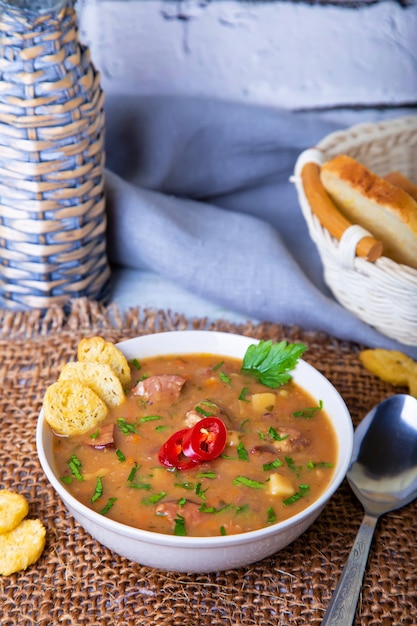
pixel 78 582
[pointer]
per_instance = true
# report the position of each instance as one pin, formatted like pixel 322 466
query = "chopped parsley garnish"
pixel 179 528
pixel 201 493
pixel 125 427
pixel 291 465
pixel 206 413
pixel 155 498
pixel 274 434
pixel 95 434
pixel 207 475
pixel 223 531
pixel 271 516
pixel 182 502
pixel 108 506
pixel 225 378
pixel 312 465
pixel 204 508
pixel 310 412
pixel 132 473
pixel 248 482
pixel 273 465
pixel 302 490
pixel 98 492
pixel 150 418
pixel 120 455
pixel 244 424
pixel 146 486
pixel 243 394
pixel 270 363
pixel 189 486
pixel 75 466
pixel 136 364
pixel 242 452
pixel 218 366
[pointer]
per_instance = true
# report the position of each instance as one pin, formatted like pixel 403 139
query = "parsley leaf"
pixel 108 506
pixel 75 466
pixel 120 455
pixel 302 490
pixel 98 492
pixel 248 482
pixel 273 465
pixel 155 498
pixel 309 412
pixel 125 427
pixel 242 452
pixel 179 528
pixel 271 516
pixel 225 378
pixel 270 363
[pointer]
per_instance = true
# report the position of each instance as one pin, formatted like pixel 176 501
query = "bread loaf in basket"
pixel 378 290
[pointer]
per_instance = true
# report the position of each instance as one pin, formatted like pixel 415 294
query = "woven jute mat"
pixel 77 581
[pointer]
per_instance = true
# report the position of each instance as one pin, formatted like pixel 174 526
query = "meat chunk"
pixel 263 449
pixel 104 439
pixel 159 387
pixel 189 511
pixel 294 442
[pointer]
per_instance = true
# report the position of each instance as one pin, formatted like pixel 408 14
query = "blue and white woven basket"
pixel 52 204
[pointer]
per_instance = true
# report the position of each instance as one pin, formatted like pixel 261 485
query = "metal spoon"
pixel 383 476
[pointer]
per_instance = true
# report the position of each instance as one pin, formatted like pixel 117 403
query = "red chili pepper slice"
pixel 206 440
pixel 190 446
pixel 171 454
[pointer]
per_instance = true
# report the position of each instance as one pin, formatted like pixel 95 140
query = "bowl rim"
pixel 187 542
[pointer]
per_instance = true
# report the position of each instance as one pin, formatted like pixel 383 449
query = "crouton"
pixel 71 408
pixel 97 349
pixel 22 546
pixel 391 366
pixel 13 508
pixel 99 377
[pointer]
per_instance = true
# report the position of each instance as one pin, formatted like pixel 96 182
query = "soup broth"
pixel 279 455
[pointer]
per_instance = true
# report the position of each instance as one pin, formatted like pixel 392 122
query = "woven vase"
pixel 52 204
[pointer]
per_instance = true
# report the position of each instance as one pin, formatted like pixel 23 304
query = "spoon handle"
pixel 342 608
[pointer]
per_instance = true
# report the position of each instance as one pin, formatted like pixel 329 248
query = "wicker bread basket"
pixel 382 293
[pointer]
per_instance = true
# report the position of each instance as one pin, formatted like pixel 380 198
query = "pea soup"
pixel 201 447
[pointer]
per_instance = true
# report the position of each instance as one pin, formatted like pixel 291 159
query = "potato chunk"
pixel 280 486
pixel 263 402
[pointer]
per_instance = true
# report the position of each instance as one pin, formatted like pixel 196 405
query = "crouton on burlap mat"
pixel 77 581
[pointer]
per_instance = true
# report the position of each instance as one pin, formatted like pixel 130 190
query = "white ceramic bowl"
pixel 205 554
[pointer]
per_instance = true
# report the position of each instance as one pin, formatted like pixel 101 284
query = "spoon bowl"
pixel 383 476
pixel 383 470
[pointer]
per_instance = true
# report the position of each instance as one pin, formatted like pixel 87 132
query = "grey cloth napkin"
pixel 198 190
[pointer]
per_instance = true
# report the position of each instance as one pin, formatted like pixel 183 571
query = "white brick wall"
pixel 275 53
